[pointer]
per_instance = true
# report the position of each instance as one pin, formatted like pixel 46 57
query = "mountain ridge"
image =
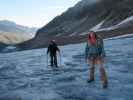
pixel 12 33
pixel 10 26
pixel 81 19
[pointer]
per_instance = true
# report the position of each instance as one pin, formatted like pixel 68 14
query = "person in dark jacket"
pixel 52 51
pixel 95 54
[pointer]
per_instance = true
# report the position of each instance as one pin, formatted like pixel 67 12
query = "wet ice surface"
pixel 25 76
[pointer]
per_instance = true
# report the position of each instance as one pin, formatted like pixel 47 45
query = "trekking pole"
pixel 60 59
pixel 47 59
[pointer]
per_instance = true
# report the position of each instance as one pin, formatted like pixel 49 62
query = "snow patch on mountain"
pixel 126 20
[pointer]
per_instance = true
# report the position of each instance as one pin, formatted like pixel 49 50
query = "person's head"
pixel 52 41
pixel 91 37
pixel 91 34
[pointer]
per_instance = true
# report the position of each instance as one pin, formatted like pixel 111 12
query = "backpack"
pixel 99 44
pixel 99 41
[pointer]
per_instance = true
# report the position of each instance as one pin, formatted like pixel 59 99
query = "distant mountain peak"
pixel 12 33
pixel 7 22
pixel 10 26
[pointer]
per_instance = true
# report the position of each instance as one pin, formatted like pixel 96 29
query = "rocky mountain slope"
pixel 12 33
pixel 73 25
pixel 10 26
pixel 14 38
pixel 84 16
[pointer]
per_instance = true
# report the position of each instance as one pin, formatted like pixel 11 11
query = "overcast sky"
pixel 33 12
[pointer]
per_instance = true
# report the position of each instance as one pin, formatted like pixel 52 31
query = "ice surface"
pixel 26 76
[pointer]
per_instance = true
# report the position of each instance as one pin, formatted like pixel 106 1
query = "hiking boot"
pixel 89 81
pixel 56 66
pixel 51 65
pixel 105 85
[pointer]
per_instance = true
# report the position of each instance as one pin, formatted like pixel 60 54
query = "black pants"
pixel 53 60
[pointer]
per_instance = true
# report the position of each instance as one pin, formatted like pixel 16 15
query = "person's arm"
pixel 103 51
pixel 86 51
pixel 48 49
pixel 57 48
